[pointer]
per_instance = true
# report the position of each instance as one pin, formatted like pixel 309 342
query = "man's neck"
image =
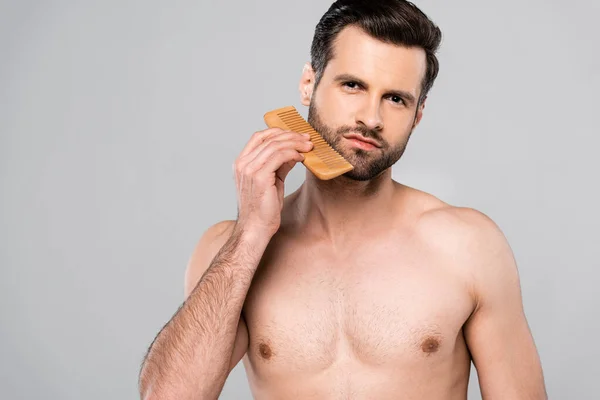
pixel 342 208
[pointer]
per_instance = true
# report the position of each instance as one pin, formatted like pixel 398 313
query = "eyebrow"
pixel 408 97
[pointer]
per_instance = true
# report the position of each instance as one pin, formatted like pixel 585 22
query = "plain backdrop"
pixel 120 121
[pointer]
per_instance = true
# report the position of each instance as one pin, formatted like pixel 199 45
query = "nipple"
pixel 430 345
pixel 265 351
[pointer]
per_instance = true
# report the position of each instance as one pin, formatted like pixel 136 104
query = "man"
pixel 359 287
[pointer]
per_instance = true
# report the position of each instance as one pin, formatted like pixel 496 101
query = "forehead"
pixel 378 63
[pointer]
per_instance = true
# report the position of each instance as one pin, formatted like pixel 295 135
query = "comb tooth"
pixel 337 161
pixel 291 117
pixel 329 154
pixel 327 150
pixel 299 129
pixel 324 150
pixel 294 121
pixel 333 165
pixel 335 156
pixel 323 156
pixel 329 163
pixel 299 123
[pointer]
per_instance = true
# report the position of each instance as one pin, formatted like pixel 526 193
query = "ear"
pixel 419 113
pixel 307 84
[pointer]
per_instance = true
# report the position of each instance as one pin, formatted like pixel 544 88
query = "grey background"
pixel 120 122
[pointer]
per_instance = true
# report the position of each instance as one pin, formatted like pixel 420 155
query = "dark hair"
pixel 397 22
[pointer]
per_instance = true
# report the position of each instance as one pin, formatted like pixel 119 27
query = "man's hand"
pixel 260 171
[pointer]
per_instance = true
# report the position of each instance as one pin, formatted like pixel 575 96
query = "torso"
pixel 380 320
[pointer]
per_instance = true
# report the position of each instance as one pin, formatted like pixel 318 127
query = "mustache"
pixel 363 130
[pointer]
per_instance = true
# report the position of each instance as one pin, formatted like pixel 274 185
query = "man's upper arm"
pixel 205 251
pixel 497 333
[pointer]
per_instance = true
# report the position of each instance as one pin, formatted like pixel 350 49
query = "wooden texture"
pixel 323 161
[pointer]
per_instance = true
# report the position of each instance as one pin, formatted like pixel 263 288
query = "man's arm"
pixel 497 333
pixel 194 353
pixel 199 262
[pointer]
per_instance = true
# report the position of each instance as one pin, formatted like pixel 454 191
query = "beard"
pixel 367 164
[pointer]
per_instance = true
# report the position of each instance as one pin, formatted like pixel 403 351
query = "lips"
pixel 362 139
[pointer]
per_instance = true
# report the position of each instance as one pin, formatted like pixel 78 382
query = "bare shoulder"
pixel 467 223
pixel 465 234
pixel 462 228
pixel 205 250
pixel 470 244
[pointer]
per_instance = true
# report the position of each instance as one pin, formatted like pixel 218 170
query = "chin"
pixel 363 172
pixel 358 177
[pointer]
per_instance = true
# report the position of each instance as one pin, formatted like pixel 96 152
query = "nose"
pixel 370 116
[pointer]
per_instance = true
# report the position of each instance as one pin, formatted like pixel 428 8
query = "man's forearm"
pixel 190 357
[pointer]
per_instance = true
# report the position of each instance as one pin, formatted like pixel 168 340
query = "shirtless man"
pixel 359 287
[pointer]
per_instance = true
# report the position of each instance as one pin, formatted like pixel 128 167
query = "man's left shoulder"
pixel 453 218
pixel 462 230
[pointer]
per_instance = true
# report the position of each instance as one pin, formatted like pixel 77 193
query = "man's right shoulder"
pixel 215 237
pixel 220 229
pixel 205 251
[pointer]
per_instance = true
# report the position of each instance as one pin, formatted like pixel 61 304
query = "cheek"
pixel 338 108
pixel 401 121
pixel 397 128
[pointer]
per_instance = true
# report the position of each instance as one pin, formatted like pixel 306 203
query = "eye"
pixel 351 85
pixel 397 99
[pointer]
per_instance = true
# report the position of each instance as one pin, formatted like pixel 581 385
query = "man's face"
pixel 369 90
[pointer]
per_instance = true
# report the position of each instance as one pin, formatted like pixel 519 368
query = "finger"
pixel 258 138
pixel 286 136
pixel 285 169
pixel 291 148
pixel 278 159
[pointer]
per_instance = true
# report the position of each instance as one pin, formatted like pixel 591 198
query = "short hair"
pixel 396 22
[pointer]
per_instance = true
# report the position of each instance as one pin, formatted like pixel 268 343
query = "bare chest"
pixel 381 305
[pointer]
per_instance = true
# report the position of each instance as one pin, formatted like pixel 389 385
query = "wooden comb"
pixel 323 161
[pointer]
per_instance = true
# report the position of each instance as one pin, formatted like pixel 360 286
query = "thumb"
pixel 284 170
